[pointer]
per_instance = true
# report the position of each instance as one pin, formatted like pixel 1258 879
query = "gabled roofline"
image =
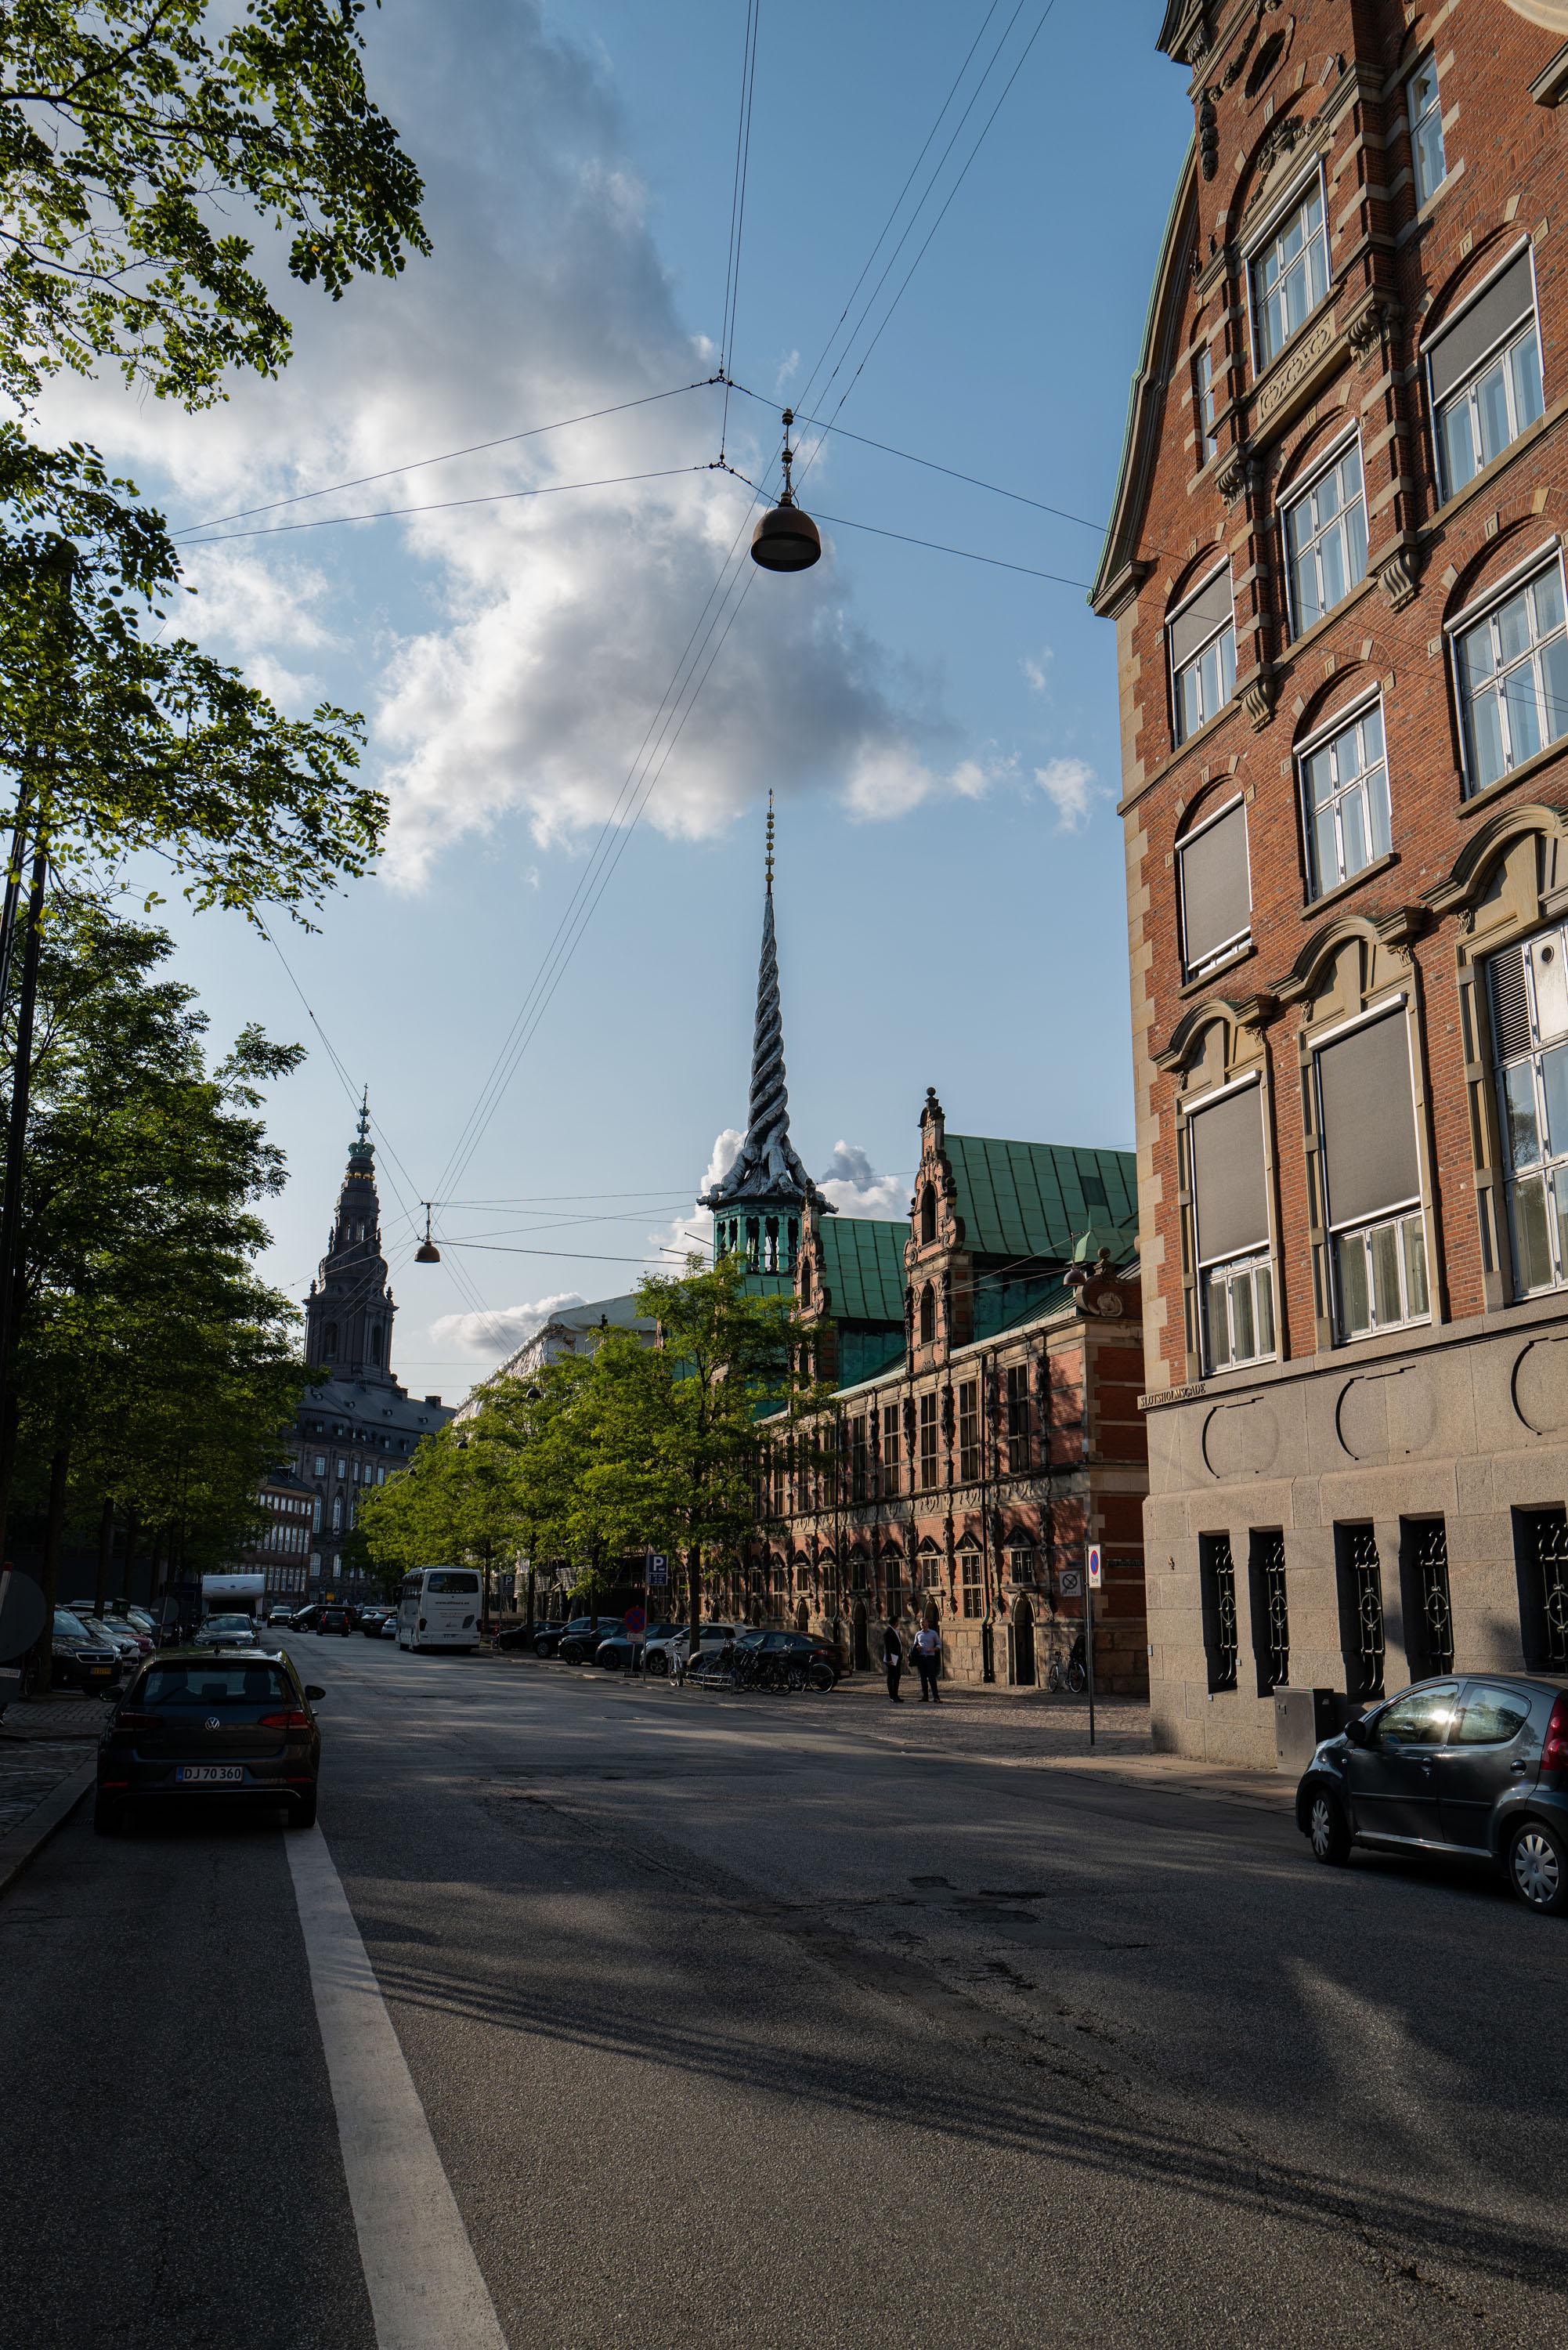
pixel 1120 575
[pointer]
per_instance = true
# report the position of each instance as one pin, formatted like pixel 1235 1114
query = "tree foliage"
pixel 129 129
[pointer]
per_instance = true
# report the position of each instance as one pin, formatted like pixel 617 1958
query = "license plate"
pixel 210 1775
pixel 101 1672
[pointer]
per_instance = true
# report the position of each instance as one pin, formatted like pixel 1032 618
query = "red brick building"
pixel 1335 567
pixel 987 1356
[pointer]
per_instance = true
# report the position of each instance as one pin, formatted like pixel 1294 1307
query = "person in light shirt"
pixel 928 1661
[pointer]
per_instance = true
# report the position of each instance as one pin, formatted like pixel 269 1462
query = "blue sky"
pixel 941 735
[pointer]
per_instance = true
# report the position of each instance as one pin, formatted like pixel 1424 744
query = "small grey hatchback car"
pixel 1472 1766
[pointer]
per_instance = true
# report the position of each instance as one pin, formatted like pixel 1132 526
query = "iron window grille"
pixel 1271 1611
pixel 972 1602
pixel 1510 670
pixel 1483 400
pixel 1202 640
pixel 1429 1594
pixel 1326 539
pixel 1345 794
pixel 1528 998
pixel 1018 1425
pixel 1428 165
pixel 969 1431
pixel 1546 1639
pixel 1363 1602
pixel 1217 1570
pixel 1290 273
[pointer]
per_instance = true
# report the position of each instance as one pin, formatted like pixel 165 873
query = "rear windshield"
pixel 194 1684
pixel 446 1578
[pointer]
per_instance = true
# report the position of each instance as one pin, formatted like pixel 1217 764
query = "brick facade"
pixel 1362 302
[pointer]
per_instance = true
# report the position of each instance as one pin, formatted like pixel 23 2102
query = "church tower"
pixel 348 1314
pixel 758 1205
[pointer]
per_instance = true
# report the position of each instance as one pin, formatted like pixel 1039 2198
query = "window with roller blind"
pixel 1202 640
pixel 1528 990
pixel 1483 374
pixel 1230 1230
pixel 1216 890
pixel 1371 1176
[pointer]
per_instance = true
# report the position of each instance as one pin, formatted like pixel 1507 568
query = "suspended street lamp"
pixel 427 1251
pixel 786 539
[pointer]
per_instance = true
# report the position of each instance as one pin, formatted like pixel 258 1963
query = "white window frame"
pixel 1195 659
pixel 1234 945
pixel 1402 1213
pixel 1247 1264
pixel 1353 715
pixel 1333 456
pixel 1413 123
pixel 1465 389
pixel 1205 404
pixel 1549 1169
pixel 1258 244
pixel 1485 608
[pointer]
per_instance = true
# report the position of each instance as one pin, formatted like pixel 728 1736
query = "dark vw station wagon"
pixel 210 1723
pixel 1474 1767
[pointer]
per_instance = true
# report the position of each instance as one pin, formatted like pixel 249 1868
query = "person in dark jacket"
pixel 893 1660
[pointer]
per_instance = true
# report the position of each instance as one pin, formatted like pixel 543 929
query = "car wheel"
pixel 1538 1868
pixel 1328 1831
pixel 302 1811
pixel 657 1664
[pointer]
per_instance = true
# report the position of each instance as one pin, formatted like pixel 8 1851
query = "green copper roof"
pixel 1033 1198
pixel 862 1266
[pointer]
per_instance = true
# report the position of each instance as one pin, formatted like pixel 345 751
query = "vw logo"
pixel 213 1722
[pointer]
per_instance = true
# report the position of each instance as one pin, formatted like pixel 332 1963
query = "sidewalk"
pixel 48 1754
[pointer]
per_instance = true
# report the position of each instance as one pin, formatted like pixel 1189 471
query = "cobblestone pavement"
pixel 30 1770
pixel 54 1717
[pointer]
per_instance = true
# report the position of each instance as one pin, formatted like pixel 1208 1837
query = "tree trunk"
pixel 132 1538
pixel 54 1527
pixel 16 1146
pixel 105 1553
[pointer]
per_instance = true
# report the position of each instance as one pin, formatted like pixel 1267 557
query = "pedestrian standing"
pixel 928 1661
pixel 893 1660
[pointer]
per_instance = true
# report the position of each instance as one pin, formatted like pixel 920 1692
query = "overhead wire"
pixel 445 505
pixel 738 208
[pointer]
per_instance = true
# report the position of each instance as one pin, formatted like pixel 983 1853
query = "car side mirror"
pixel 1359 1731
pixel 312 1692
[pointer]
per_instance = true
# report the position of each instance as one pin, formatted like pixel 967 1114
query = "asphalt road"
pixel 773 2021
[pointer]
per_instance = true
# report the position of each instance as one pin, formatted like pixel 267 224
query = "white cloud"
pixel 512 657
pixel 855 1188
pixel 695 1231
pixel 500 1333
pixel 1070 785
pixel 1038 668
pixel 788 368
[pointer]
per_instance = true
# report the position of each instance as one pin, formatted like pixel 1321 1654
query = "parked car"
pixel 622 1652
pixel 530 1636
pixel 1472 1766
pixel 280 1616
pixel 580 1645
pixel 371 1620
pixel 662 1655
pixel 547 1638
pixel 304 1618
pixel 389 1630
pixel 119 1635
pixel 226 1632
pixel 211 1721
pixel 333 1617
pixel 82 1659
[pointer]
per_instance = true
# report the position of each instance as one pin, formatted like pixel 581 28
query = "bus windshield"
pixel 451 1580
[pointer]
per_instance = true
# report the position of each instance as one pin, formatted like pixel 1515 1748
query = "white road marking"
pixel 425 2287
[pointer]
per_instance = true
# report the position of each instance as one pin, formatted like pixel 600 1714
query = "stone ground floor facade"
pixel 966 1492
pixel 1351 1526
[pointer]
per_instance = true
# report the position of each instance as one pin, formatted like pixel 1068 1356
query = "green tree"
pixel 132 132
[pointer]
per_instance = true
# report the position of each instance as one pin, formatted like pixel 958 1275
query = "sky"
pixel 939 734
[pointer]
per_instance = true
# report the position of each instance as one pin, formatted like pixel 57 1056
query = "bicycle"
pixel 1068 1672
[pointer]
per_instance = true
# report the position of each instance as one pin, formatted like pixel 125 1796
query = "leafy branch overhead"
pixel 123 127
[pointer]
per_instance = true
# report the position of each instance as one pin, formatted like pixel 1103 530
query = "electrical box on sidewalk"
pixel 1304 1718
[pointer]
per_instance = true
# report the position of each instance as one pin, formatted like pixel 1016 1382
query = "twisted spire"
pixel 766 1168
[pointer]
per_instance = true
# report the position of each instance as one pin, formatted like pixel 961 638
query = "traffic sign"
pixel 1095 1580
pixel 634 1619
pixel 1070 1583
pixel 658 1567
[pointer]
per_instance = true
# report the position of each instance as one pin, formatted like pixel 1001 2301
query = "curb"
pixel 26 1840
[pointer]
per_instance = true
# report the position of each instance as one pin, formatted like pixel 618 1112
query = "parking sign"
pixel 658 1567
pixel 1094 1556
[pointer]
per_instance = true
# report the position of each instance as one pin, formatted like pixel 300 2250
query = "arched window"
pixel 928 1313
pixel 928 1212
pixel 329 1339
pixel 376 1342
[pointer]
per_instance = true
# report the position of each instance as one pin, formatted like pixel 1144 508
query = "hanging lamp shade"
pixel 427 1253
pixel 786 539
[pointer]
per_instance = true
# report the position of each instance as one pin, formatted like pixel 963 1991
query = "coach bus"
pixel 439 1607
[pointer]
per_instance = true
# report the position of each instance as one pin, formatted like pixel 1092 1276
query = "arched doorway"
pixel 1024 1644
pixel 862 1645
pixel 802 1618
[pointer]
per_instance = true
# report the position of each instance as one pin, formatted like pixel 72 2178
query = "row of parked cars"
pixel 609 1642
pixel 376 1622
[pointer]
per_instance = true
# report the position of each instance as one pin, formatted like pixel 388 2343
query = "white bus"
pixel 438 1607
